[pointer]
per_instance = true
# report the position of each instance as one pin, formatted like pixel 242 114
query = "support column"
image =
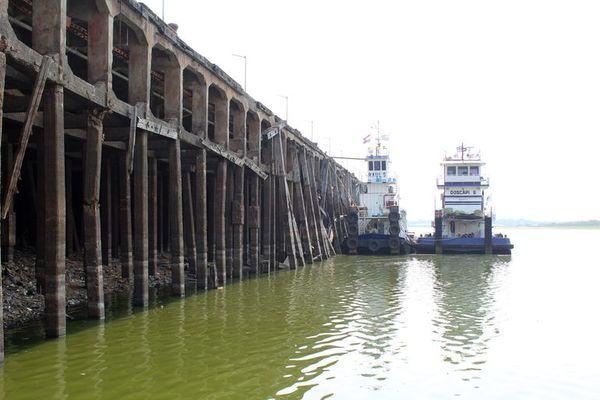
pixel 266 222
pixel 40 229
pixel 219 215
pixel 99 52
pixel 176 218
pixel 237 220
pixel 189 226
pixel 2 76
pixel 201 221
pixel 309 204
pixel 253 222
pixel 9 224
pixel 55 210
pixel 152 216
pixel 91 215
pixel 228 221
pixel 106 212
pixel 140 219
pixel 126 245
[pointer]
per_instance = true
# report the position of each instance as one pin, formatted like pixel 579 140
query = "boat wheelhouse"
pixel 377 225
pixel 464 223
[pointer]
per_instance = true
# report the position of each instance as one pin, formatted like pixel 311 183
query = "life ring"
pixel 352 230
pixel 374 245
pixel 394 243
pixel 394 229
pixel 394 216
pixel 351 243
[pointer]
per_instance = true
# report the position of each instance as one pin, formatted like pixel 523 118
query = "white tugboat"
pixel 464 224
pixel 378 225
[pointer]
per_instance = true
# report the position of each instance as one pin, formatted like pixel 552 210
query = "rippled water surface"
pixel 521 326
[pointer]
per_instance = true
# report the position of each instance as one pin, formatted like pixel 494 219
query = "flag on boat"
pixel 367 139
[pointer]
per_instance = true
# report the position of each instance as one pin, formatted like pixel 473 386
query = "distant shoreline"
pixel 509 223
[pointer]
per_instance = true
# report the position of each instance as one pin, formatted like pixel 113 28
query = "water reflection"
pixel 464 292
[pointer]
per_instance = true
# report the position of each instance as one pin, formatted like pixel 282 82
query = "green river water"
pixel 482 327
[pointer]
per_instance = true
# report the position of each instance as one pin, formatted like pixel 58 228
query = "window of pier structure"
pixel 474 171
pixel 463 170
pixel 451 170
pixel 20 18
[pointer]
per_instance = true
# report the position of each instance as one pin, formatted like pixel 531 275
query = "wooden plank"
pixel 131 144
pixel 176 219
pixel 34 104
pixel 158 127
pixel 152 217
pixel 308 200
pixel 189 226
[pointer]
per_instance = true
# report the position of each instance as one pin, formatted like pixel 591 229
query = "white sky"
pixel 520 79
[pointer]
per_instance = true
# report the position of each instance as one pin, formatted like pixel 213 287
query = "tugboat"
pixel 377 225
pixel 464 224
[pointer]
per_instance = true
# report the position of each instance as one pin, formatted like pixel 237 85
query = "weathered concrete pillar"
pixel 49 22
pixel 106 211
pixel 140 219
pixel 40 229
pixel 9 228
pixel 126 245
pixel 55 210
pixel 49 36
pixel 253 222
pixel 176 218
pixel 91 215
pixel 201 221
pixel 219 215
pixel 237 219
pixel 99 51
pixel 228 221
pixel 266 209
pixel 2 76
pixel 152 216
pixel 189 226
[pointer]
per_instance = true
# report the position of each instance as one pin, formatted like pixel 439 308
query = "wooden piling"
pixel 266 209
pixel 40 228
pixel 9 223
pixel 309 204
pixel 189 226
pixel 228 222
pixel 91 215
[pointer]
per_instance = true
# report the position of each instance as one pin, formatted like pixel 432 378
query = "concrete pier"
pixel 177 162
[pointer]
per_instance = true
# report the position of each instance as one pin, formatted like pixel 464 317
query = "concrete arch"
pixel 166 85
pixel 237 126
pixel 253 135
pixel 195 103
pixel 218 115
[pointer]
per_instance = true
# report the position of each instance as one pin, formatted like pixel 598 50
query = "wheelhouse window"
pixel 463 171
pixel 474 171
pixel 377 165
pixel 370 165
pixel 383 165
pixel 451 170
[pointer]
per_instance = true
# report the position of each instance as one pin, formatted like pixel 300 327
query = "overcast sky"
pixel 518 79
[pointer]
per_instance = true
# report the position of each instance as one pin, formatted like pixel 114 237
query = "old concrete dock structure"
pixel 120 140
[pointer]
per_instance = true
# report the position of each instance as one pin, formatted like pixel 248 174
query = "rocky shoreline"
pixel 23 304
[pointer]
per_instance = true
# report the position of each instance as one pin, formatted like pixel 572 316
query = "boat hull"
pixel 378 244
pixel 426 245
